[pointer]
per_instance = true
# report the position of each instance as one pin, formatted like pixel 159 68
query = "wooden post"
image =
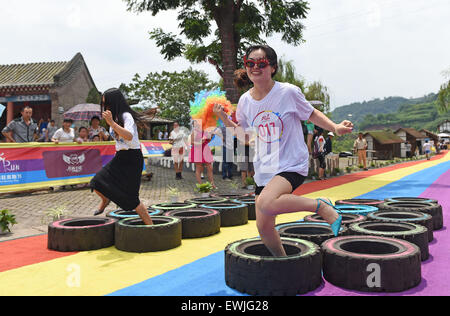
pixel 10 112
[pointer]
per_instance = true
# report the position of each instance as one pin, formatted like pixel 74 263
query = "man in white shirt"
pixel 427 149
pixel 360 146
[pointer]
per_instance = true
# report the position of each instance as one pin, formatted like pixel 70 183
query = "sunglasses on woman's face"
pixel 260 63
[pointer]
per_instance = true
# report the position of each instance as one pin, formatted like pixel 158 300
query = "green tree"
pixel 443 99
pixel 317 91
pixel 286 73
pixel 232 25
pixel 170 91
pixel 93 96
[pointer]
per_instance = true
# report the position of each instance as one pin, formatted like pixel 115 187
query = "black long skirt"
pixel 120 179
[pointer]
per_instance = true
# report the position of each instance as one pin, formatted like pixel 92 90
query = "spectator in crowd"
pixel 176 138
pixel 246 166
pixel 227 136
pixel 360 146
pixel 96 138
pixel 83 135
pixel 65 134
pixel 166 135
pixel 408 150
pixel 329 143
pixel 200 153
pixel 97 129
pixel 310 136
pixel 43 123
pixel 23 129
pixel 437 145
pixel 51 129
pixel 160 134
pixel 427 149
pixel 319 151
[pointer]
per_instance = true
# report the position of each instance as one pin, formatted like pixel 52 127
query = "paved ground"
pixel 29 208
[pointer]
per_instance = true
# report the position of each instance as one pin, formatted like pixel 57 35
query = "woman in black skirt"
pixel 120 179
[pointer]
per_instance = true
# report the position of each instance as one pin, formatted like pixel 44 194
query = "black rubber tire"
pixel 133 236
pixel 358 209
pixel 81 234
pixel 370 202
pixel 405 217
pixel 206 200
pixel 315 232
pixel 416 234
pixel 410 199
pixel 122 214
pixel 251 269
pixel 435 210
pixel 347 219
pixel 348 263
pixel 250 202
pixel 231 213
pixel 165 207
pixel 197 222
pixel 228 195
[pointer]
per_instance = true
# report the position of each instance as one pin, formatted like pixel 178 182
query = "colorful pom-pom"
pixel 202 107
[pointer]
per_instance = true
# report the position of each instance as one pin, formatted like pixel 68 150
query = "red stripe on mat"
pixel 26 251
pixel 330 183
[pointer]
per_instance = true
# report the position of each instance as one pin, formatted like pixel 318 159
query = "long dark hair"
pixel 241 79
pixel 116 103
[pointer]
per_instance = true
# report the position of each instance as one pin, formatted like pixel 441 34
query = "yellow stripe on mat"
pixel 105 271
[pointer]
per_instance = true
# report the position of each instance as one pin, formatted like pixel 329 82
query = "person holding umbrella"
pixel 97 129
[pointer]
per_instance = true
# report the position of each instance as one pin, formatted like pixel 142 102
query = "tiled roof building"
pixel 49 88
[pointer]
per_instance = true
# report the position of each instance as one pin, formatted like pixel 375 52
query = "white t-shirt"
pixel 276 119
pixel 64 137
pixel 426 146
pixel 178 138
pixel 129 125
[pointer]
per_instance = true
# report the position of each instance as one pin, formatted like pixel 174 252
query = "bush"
pixel 6 219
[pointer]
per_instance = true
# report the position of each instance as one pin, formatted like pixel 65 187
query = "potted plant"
pixel 314 175
pixel 234 186
pixel 204 189
pixel 337 171
pixel 250 183
pixel 54 214
pixel 173 194
pixel 348 169
pixel 6 221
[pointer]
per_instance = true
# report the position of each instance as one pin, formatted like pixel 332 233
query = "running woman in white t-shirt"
pixel 274 111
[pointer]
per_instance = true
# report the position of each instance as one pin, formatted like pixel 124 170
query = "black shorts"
pixel 294 178
pixel 322 162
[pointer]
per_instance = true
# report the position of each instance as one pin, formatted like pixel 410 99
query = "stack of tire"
pixel 407 222
pixel 378 250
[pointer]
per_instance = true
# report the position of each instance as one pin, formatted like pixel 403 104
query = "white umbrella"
pixel 83 112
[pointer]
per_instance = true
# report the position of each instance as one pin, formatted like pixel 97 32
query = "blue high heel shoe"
pixel 336 225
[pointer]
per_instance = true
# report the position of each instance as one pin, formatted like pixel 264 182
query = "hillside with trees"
pixel 379 110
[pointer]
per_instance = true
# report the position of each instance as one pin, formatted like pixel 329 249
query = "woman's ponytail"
pixel 241 79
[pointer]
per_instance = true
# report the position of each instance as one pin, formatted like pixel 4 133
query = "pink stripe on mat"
pixel 435 272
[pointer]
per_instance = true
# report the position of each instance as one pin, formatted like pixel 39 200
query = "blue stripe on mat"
pixel 206 276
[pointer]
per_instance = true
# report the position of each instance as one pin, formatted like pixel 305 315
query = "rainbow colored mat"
pixel 197 266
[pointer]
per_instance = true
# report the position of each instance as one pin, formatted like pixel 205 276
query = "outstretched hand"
pixel 345 127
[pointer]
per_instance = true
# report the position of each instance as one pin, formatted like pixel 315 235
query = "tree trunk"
pixel 225 21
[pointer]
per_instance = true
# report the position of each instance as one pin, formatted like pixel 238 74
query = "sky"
pixel 360 50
